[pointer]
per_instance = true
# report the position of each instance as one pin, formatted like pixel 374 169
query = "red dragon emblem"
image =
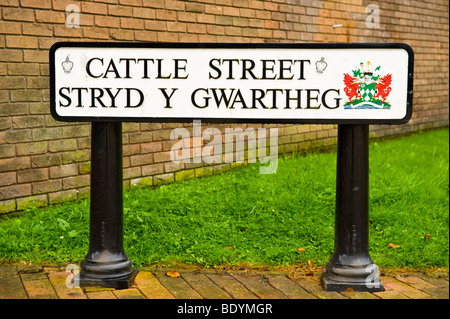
pixel 367 89
pixel 351 87
pixel 382 86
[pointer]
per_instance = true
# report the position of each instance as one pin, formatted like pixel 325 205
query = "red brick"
pixel 240 22
pixel 46 160
pixel 104 21
pixel 38 82
pixel 155 25
pixel 172 167
pixel 38 4
pixel 176 5
pixel 269 24
pixel 131 172
pixel 93 7
pixel 166 15
pixel 15 191
pixel 138 160
pixel 137 3
pixel 176 26
pixel 4 94
pixel 47 16
pixel 25 95
pixel 63 31
pixel 8 178
pixel 270 6
pixel 131 149
pixel 14 3
pixel 61 5
pixel 144 13
pixel 10 55
pixel 14 164
pixel 230 11
pixel 8 27
pixel 76 181
pixel 61 197
pixel 18 14
pixel 145 36
pixel 140 137
pixel 32 175
pixel 224 20
pixel 213 9
pixel 31 148
pixel 15 136
pixel 25 42
pixel 186 16
pixel 116 10
pixel 153 169
pixel 7 151
pixel 232 31
pixel 23 69
pixel 161 157
pixel 153 3
pixel 28 121
pixel 195 7
pixel 130 23
pixel 197 28
pixel 119 34
pixel 96 33
pixel 62 145
pixel 215 29
pixel 47 186
pixel 37 29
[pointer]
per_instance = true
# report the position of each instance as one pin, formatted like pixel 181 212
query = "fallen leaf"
pixel 173 274
pixel 229 248
pixel 310 262
pixel 349 290
pixel 393 245
pixel 301 250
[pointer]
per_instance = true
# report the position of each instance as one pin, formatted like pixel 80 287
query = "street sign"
pixel 352 85
pixel 274 83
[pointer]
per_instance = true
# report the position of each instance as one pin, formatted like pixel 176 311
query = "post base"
pixel 123 282
pixel 355 278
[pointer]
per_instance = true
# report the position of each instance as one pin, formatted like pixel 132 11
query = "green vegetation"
pixel 242 216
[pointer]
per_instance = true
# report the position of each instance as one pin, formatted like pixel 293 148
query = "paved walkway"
pixel 49 282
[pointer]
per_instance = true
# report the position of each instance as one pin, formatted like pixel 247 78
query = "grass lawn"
pixel 243 217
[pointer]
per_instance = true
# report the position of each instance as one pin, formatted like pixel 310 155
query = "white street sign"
pixel 273 83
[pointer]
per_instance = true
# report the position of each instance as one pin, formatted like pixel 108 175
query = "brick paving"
pixel 49 282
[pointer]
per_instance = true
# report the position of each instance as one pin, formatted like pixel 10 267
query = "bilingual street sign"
pixel 274 83
pixel 352 85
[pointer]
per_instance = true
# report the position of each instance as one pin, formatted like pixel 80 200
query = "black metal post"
pixel 351 266
pixel 106 263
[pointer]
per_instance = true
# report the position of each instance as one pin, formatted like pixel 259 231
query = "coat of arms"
pixel 367 89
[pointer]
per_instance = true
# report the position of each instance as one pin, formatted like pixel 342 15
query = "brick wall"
pixel 43 161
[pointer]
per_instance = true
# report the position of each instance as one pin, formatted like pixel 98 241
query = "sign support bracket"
pixel 106 263
pixel 350 266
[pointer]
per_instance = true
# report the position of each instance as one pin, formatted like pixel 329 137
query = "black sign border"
pixel 177 45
